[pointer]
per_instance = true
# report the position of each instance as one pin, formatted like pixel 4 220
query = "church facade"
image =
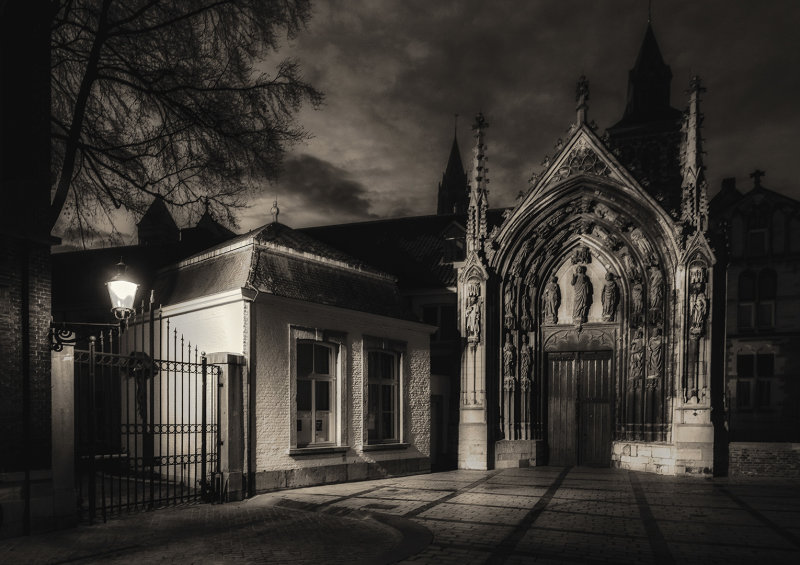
pixel 586 312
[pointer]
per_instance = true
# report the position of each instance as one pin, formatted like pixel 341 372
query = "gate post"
pixel 63 433
pixel 231 423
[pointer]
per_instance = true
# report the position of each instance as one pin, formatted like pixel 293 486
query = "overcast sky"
pixel 394 74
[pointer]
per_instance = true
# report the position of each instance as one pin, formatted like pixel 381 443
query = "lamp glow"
pixel 122 293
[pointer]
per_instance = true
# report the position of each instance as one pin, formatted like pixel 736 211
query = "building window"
pixel 383 397
pixel 316 394
pixel 754 376
pixel 757 242
pixel 757 294
pixel 444 317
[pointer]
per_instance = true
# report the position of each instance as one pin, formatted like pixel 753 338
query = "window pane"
pixel 303 395
pixel 765 364
pixel 387 366
pixel 387 426
pixel 767 284
pixel 764 315
pixel 322 360
pixel 305 363
pixel 756 243
pixel 323 395
pixel 747 286
pixel 763 393
pixel 744 366
pixel 742 394
pixel 373 366
pixel 745 316
pixel 373 398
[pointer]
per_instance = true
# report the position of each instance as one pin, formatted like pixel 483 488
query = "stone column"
pixel 231 423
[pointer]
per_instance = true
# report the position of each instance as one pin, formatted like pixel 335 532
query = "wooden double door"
pixel 579 402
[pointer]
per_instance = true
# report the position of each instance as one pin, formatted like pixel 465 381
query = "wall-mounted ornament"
pixel 551 301
pixel 581 254
pixel 610 298
pixel 582 291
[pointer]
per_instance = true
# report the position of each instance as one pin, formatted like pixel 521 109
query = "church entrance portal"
pixel 579 408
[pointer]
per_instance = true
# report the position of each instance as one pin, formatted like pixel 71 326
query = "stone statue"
pixel 698 312
pixel 582 254
pixel 551 300
pixel 637 356
pixel 637 302
pixel 524 358
pixel 656 289
pixel 473 319
pixel 509 303
pixel 582 295
pixel 509 357
pixel 610 298
pixel 655 353
pixel 527 316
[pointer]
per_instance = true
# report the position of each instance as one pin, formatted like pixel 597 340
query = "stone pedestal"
pixel 693 437
pixel 473 445
pixel 510 454
pixel 231 423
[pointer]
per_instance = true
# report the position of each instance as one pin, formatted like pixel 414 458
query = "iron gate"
pixel 147 430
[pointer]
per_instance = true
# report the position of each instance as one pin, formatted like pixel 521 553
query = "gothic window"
pixel 747 299
pixel 767 291
pixel 316 393
pixel 757 242
pixel 383 397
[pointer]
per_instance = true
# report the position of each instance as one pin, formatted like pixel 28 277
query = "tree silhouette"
pixel 170 99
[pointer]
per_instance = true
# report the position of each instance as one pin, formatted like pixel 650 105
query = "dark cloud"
pixel 395 72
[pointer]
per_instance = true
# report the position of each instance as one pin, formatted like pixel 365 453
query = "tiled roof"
pixel 411 249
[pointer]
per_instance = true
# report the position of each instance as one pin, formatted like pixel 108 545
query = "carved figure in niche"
pixel 527 316
pixel 637 356
pixel 697 276
pixel 509 359
pixel 698 313
pixel 637 302
pixel 655 353
pixel 644 246
pixel 584 225
pixel 551 301
pixel 473 319
pixel 582 254
pixel 582 289
pixel 610 298
pixel 656 295
pixel 524 358
pixel 509 303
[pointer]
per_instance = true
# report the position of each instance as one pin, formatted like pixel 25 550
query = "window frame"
pixel 758 378
pixel 397 350
pixel 334 342
pixel 379 381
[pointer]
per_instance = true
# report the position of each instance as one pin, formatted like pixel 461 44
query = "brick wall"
pixel 17 255
pixel 764 459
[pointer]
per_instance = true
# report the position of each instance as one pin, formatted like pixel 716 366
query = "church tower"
pixel 647 138
pixel 453 190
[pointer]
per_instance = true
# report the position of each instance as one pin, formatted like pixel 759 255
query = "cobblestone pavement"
pixel 541 515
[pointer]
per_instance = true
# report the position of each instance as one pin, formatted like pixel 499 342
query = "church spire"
pixel 453 190
pixel 648 83
pixel 694 208
pixel 478 196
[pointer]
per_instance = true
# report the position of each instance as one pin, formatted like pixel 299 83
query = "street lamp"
pixel 122 293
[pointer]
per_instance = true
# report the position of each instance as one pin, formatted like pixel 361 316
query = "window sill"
pixel 302 451
pixel 384 446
